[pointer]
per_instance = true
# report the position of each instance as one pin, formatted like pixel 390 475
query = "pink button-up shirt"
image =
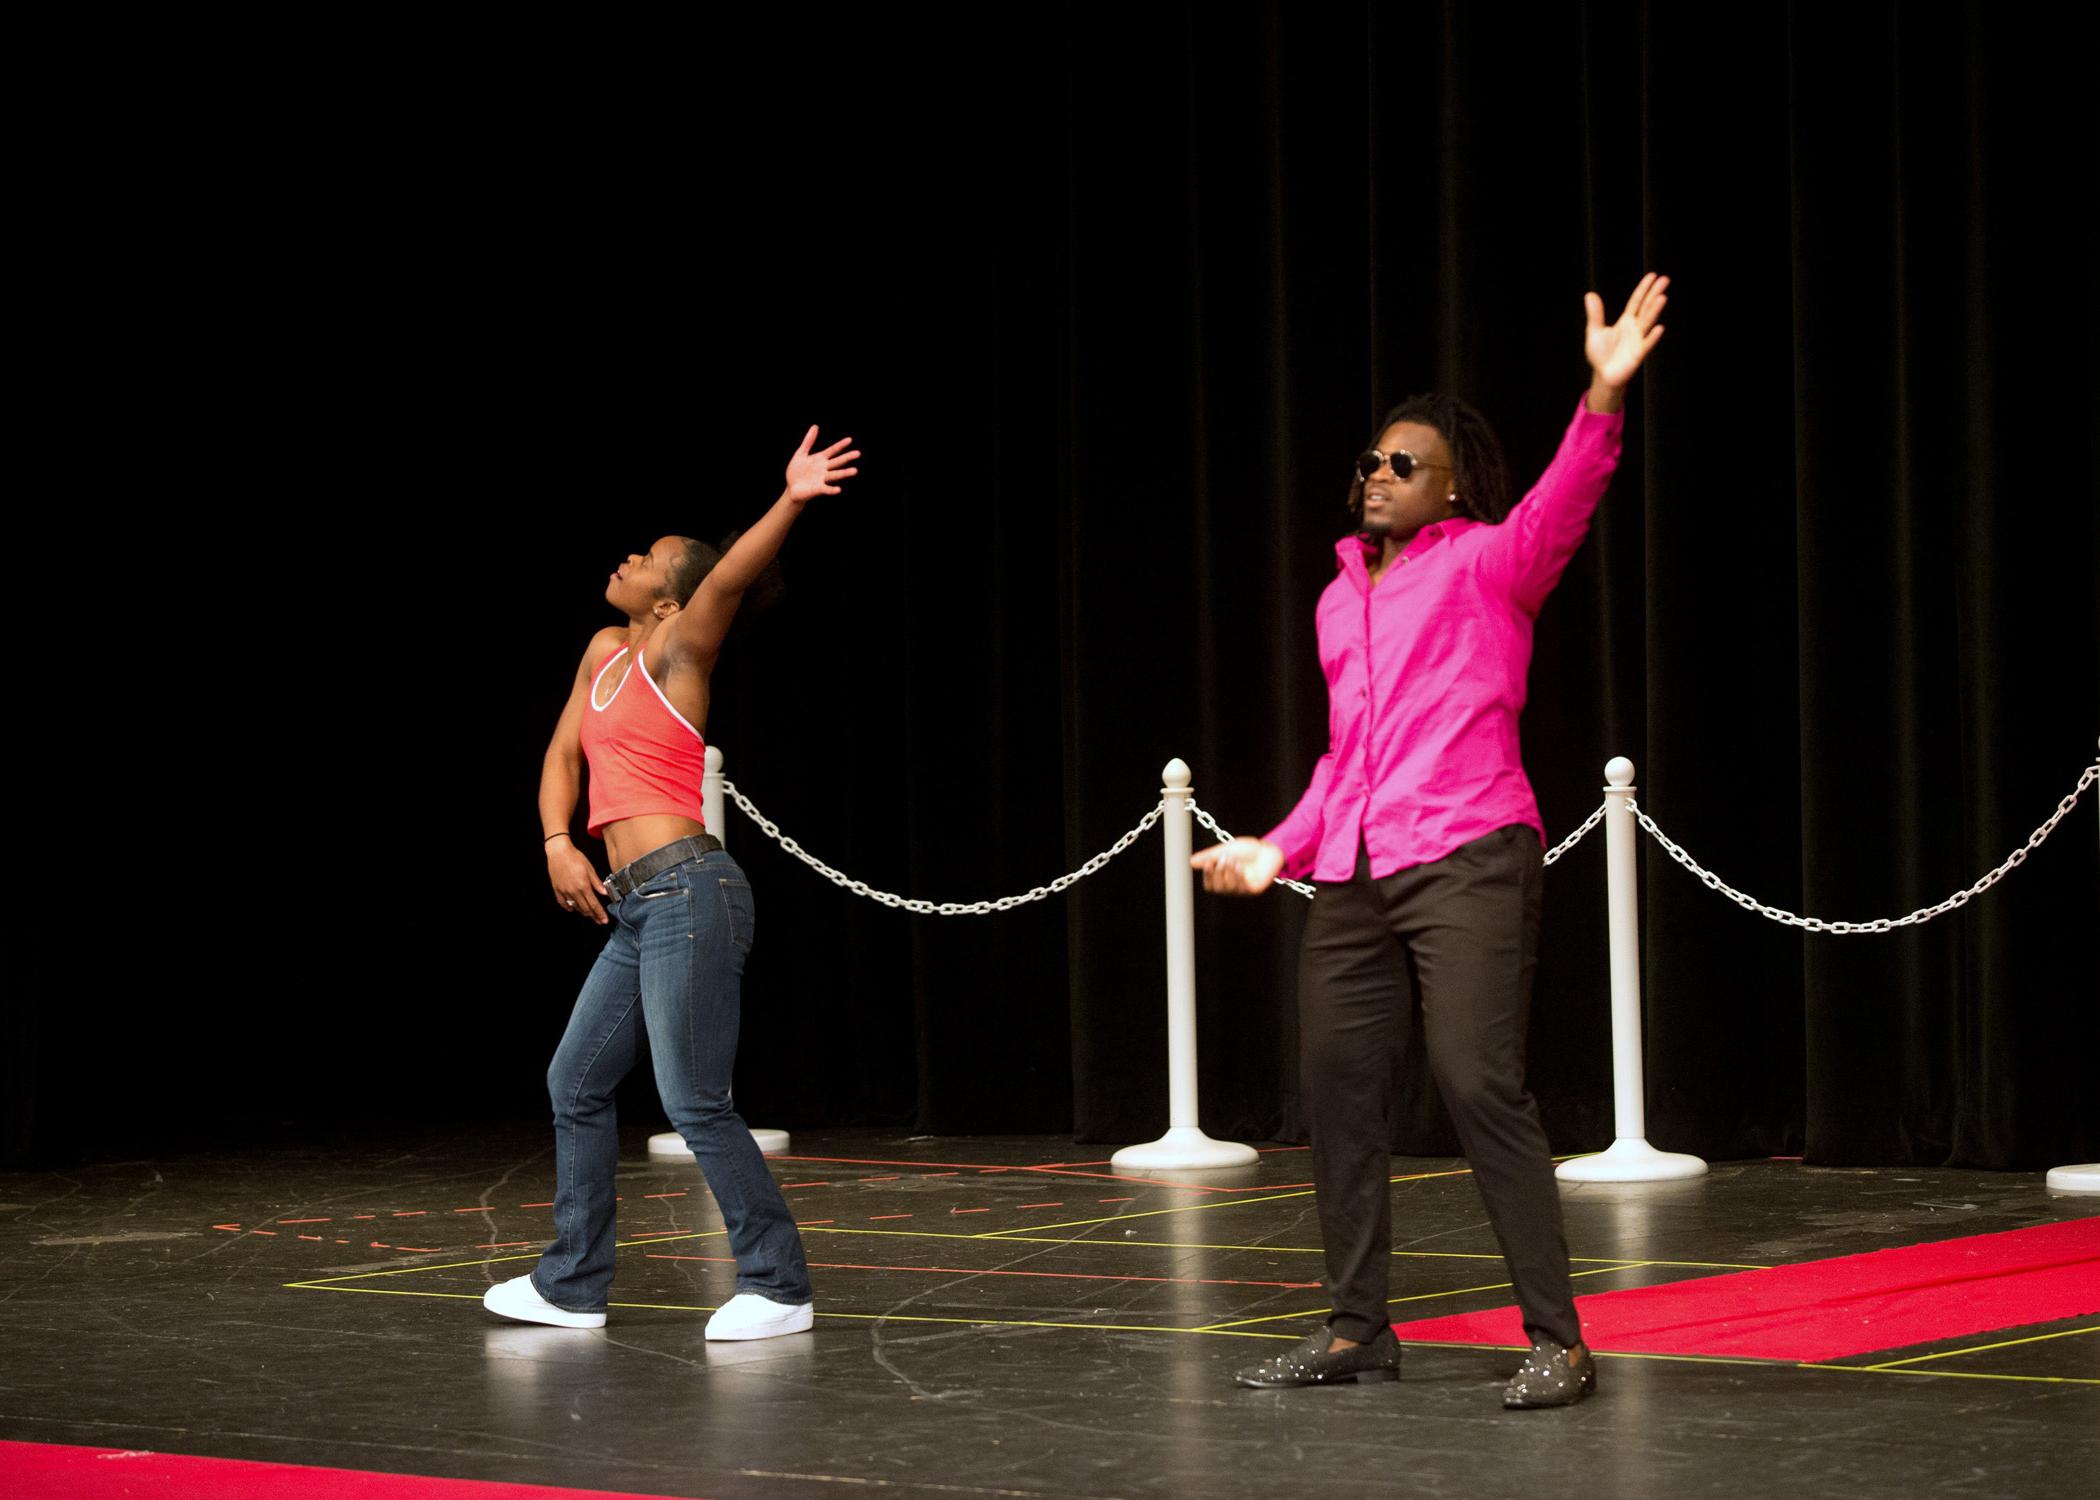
pixel 1426 676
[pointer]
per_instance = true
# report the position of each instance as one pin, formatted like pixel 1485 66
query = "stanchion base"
pixel 2084 1179
pixel 1631 1160
pixel 1184 1147
pixel 671 1143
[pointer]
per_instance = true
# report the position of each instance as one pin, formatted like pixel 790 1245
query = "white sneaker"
pixel 750 1316
pixel 519 1298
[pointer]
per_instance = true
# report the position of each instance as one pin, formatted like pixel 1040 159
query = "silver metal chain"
pixel 1880 924
pixel 937 908
pixel 1225 838
pixel 1676 851
pixel 1576 837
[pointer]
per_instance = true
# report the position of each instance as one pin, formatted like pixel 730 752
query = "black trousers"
pixel 1459 937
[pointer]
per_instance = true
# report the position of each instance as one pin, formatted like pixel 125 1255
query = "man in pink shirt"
pixel 1423 837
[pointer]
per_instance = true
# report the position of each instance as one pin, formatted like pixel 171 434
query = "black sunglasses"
pixel 1404 463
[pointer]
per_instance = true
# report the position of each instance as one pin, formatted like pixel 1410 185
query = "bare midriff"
pixel 629 839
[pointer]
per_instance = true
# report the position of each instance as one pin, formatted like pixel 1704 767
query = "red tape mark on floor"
pixel 53 1471
pixel 1829 1309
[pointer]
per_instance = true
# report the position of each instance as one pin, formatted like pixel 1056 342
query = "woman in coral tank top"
pixel 679 918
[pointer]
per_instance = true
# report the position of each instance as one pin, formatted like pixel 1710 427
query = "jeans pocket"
pixel 737 911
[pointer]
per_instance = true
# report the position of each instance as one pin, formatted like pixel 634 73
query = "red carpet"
pixel 1827 1309
pixel 50 1471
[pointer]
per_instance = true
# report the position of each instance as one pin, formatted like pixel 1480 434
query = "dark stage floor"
pixel 995 1318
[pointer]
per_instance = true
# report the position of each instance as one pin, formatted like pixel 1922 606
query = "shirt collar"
pixel 1366 550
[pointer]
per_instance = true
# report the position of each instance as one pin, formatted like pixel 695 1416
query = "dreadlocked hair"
pixel 1480 473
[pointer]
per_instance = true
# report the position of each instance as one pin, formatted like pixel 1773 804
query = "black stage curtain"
pixel 1110 297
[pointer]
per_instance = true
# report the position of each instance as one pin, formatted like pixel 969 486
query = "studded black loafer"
pixel 1310 1363
pixel 1552 1375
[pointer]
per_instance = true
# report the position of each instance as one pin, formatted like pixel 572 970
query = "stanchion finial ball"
pixel 1618 771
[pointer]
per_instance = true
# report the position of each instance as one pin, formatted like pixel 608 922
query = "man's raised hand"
pixel 1616 351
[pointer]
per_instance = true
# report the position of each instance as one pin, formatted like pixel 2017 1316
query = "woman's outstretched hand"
pixel 1616 351
pixel 812 474
pixel 1244 867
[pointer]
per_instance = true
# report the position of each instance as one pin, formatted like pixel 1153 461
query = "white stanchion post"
pixel 1630 1158
pixel 1184 1145
pixel 670 1142
pixel 2080 1179
pixel 711 795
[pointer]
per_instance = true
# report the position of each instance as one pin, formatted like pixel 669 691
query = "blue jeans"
pixel 673 968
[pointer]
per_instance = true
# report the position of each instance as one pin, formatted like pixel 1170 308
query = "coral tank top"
pixel 644 756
